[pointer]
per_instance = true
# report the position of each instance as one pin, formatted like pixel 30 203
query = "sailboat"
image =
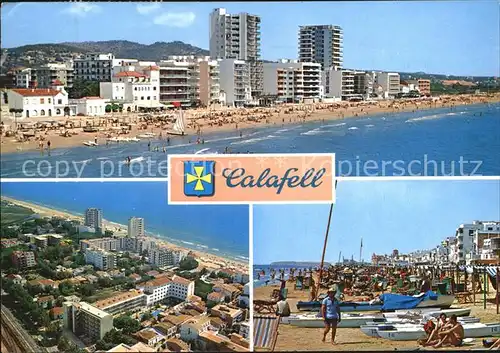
pixel 179 125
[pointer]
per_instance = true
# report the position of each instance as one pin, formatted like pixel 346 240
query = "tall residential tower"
pixel 93 218
pixel 322 45
pixel 135 227
pixel 238 37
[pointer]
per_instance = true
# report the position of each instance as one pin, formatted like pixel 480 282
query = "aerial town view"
pixel 419 271
pixel 74 280
pixel 76 94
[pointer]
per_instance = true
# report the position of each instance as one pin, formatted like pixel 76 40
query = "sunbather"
pixel 451 336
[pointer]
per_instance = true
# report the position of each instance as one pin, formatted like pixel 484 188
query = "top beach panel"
pixel 118 109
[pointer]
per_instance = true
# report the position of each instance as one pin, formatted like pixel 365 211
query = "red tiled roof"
pixel 157 282
pixel 153 68
pixel 57 310
pixel 129 74
pixel 36 92
pixel 92 97
pixel 180 280
pixel 57 83
pixel 215 296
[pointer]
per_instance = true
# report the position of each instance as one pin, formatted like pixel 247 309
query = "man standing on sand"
pixel 330 311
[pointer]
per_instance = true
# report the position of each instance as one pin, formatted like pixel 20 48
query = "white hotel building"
pixel 235 81
pixel 41 102
pixel 135 227
pixel 162 288
pixel 293 81
pixel 389 83
pixel 96 67
pixel 100 259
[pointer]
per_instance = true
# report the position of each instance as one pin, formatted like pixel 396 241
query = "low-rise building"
pixel 228 314
pixel 167 329
pixel 56 313
pixel 151 337
pixel 389 82
pixel 159 289
pixel 191 329
pixel 39 102
pixel 127 301
pixel 89 106
pixel 213 342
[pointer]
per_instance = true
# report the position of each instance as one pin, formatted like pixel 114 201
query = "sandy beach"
pixel 291 338
pixel 203 121
pixel 206 259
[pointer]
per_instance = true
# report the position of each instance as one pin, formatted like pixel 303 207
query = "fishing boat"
pixel 146 135
pixel 471 330
pixel 90 143
pixel 179 125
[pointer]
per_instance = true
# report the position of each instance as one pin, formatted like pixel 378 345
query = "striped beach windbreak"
pixel 265 331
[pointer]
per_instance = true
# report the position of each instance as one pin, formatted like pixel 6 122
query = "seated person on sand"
pixel 282 307
pixel 433 331
pixel 492 344
pixel 453 335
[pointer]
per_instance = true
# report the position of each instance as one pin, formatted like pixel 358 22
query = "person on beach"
pixel 149 146
pixel 330 311
pixel 95 140
pixel 282 307
pixel 433 331
pixel 453 335
pixel 48 147
pixel 40 145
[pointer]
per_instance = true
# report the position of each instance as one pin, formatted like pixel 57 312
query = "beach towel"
pixel 265 331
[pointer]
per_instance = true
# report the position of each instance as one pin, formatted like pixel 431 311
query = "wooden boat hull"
pixel 175 133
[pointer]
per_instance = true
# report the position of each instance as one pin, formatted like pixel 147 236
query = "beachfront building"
pixel 420 85
pixel 23 77
pixel 292 81
pixel 339 83
pixel 23 259
pixel 235 82
pixel 164 256
pixel 135 227
pixel 162 288
pixel 100 259
pixel 136 86
pixel 86 320
pixel 108 244
pixel 389 83
pixel 89 106
pixel 47 74
pixel 209 84
pixel 237 36
pixel 321 44
pixel 40 102
pixel 471 238
pixel 95 67
pixel 93 218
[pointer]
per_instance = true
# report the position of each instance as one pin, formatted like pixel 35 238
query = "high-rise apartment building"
pixel 321 44
pixel 93 218
pixel 101 259
pixel 135 227
pixel 237 36
pixel 84 319
pixel 52 74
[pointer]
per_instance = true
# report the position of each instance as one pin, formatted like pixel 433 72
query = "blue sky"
pixel 403 215
pixel 450 37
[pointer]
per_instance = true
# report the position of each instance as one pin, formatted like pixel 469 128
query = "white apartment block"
pixel 237 36
pixel 141 88
pixel 93 218
pixel 39 102
pixel 46 75
pixel 210 83
pixel 95 67
pixel 321 44
pixel 292 81
pixel 135 227
pixel 179 82
pixel 389 82
pixel 84 319
pixel 108 244
pixel 235 81
pixel 23 78
pixel 475 240
pixel 101 259
pixel 159 289
pixel 89 106
pixel 164 256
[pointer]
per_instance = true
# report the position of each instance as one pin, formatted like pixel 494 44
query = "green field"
pixel 12 213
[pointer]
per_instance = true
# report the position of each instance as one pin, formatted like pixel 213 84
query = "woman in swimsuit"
pixel 453 336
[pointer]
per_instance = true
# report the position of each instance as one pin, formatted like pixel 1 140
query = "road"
pixel 14 339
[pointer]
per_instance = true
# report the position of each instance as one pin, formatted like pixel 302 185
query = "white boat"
pixel 471 330
pixel 179 125
pixel 430 312
pixel 348 321
pixel 133 139
pixel 113 139
pixel 90 143
pixel 146 135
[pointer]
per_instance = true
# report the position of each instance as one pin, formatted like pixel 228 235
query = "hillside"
pixel 36 54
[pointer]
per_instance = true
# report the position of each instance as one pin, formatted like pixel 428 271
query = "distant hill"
pixel 37 54
pixel 289 264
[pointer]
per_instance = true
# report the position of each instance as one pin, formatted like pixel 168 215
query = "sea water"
pixel 464 140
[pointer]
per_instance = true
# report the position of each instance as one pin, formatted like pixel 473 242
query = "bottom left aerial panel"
pixel 111 267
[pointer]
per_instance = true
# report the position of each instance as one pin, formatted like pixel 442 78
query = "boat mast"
pixel 360 249
pixel 324 251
